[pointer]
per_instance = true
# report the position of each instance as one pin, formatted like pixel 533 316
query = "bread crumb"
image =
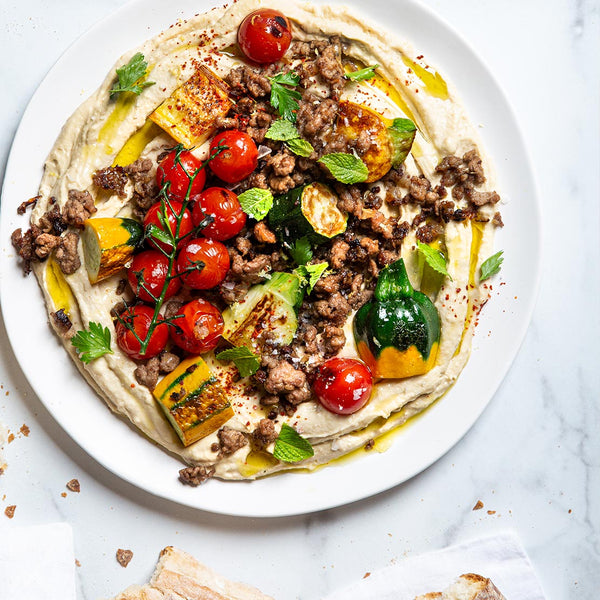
pixel 9 511
pixel 74 486
pixel 11 438
pixel 367 574
pixel 124 557
pixel 478 506
pixel 491 512
pixel 63 494
pixel 25 430
pixel 77 563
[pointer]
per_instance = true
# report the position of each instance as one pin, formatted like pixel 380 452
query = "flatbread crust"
pixel 179 576
pixel 469 586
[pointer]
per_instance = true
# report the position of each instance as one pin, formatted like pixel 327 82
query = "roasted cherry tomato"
pixel 197 326
pixel 140 317
pixel 152 217
pixel 213 255
pixel 178 173
pixel 343 385
pixel 265 35
pixel 147 276
pixel 223 206
pixel 239 158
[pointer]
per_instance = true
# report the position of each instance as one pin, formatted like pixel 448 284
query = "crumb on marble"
pixel 63 494
pixel 11 438
pixel 25 430
pixel 367 574
pixel 9 511
pixel 124 557
pixel 491 512
pixel 74 486
pixel 478 505
pixel 77 563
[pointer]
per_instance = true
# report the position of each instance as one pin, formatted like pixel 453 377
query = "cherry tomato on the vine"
pixel 152 217
pixel 265 35
pixel 213 255
pixel 343 385
pixel 197 326
pixel 223 206
pixel 148 274
pixel 239 158
pixel 140 318
pixel 179 172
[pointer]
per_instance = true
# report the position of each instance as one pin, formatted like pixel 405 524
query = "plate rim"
pixel 188 496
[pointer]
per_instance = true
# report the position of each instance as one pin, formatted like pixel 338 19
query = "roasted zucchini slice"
pixel 108 244
pixel 189 113
pixel 195 404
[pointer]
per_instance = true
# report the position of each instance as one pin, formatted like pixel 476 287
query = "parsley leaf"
pixel 300 147
pixel 310 274
pixel 283 99
pixel 491 265
pixel 434 258
pixel 346 168
pixel 245 360
pixel 93 343
pixel 301 251
pixel 130 74
pixel 290 446
pixel 256 202
pixel 362 74
pixel 282 130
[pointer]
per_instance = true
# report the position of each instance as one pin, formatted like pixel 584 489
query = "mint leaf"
pixel 247 362
pixel 129 76
pixel 346 168
pixel 310 274
pixel 300 147
pixel 362 74
pixel 282 130
pixel 93 343
pixel 283 99
pixel 402 133
pixel 291 447
pixel 301 251
pixel 256 202
pixel 490 266
pixel 434 258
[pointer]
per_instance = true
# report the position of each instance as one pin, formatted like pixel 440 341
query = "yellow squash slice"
pixel 189 113
pixel 192 400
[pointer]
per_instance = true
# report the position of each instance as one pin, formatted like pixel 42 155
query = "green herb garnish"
pixel 291 447
pixel 130 75
pixel 256 202
pixel 246 361
pixel 301 251
pixel 362 74
pixel 490 266
pixel 282 130
pixel 402 132
pixel 310 274
pixel 434 258
pixel 93 343
pixel 346 168
pixel 300 147
pixel 284 100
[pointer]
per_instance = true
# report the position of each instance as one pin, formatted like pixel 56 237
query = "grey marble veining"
pixel 534 455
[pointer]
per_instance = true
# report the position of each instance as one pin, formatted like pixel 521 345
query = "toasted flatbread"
pixel 469 586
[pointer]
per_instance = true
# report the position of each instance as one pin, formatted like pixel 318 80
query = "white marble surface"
pixel 534 455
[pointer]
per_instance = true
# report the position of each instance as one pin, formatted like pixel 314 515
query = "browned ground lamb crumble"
pixel 370 242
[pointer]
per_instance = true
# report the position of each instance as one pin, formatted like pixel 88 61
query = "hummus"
pixel 106 131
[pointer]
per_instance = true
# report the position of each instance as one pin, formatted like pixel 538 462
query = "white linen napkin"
pixel 37 562
pixel 501 558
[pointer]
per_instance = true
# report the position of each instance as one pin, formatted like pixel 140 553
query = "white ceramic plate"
pixel 120 448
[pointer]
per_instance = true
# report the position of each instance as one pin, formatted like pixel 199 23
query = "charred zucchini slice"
pixel 266 314
pixel 195 404
pixel 108 244
pixel 307 211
